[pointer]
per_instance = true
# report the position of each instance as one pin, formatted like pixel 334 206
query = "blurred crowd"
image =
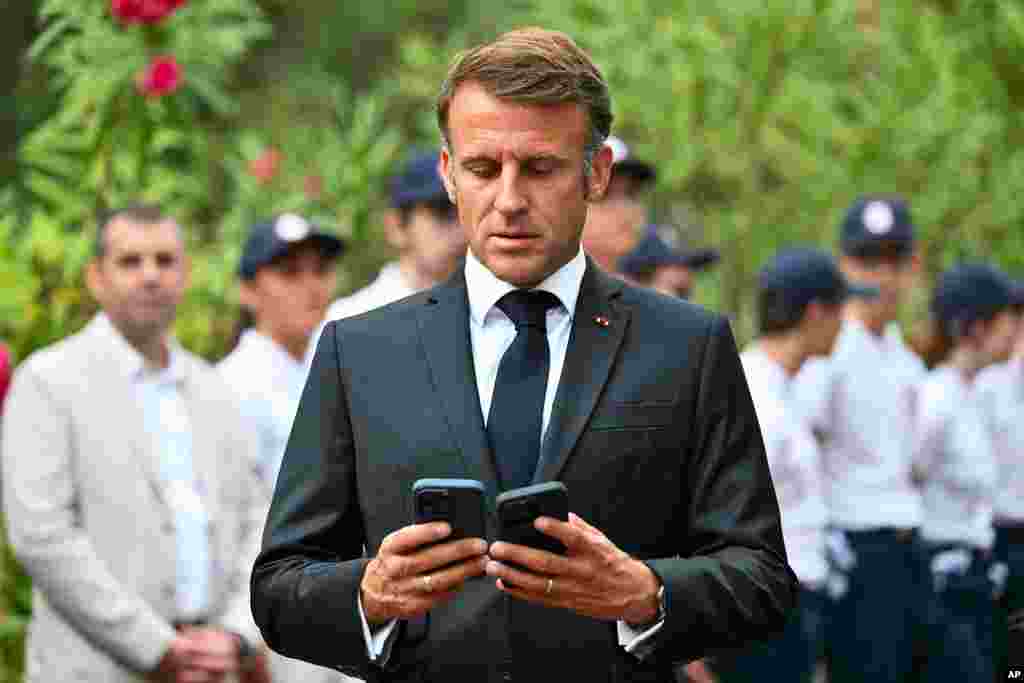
pixel 136 476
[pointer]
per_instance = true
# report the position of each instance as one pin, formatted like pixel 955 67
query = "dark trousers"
pixel 1009 549
pixel 790 657
pixel 961 623
pixel 877 612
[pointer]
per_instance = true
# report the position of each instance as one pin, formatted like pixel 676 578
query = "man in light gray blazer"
pixel 128 486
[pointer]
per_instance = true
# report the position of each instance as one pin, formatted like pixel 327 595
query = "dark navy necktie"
pixel 517 406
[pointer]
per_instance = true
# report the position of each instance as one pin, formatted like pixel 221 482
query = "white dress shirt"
pixel 269 383
pixel 795 464
pixel 166 419
pixel 862 402
pixel 390 285
pixel 956 455
pixel 1001 390
pixel 491 334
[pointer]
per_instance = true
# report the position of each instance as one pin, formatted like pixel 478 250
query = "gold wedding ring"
pixel 551 584
pixel 426 578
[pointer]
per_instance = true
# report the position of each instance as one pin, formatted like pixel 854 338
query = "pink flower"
pixel 161 77
pixel 143 11
pixel 265 166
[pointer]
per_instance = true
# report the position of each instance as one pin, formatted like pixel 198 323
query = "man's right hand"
pixel 405 579
pixel 176 664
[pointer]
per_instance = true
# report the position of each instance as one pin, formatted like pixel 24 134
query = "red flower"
pixel 143 11
pixel 161 77
pixel 265 166
pixel 313 186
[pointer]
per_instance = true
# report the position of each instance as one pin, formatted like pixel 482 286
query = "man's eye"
pixel 165 260
pixel 483 170
pixel 129 261
pixel 541 168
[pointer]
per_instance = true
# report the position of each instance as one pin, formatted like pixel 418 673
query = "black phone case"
pixel 518 508
pixel 460 502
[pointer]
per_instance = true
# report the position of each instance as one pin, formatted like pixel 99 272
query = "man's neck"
pixel 786 350
pixel 968 362
pixel 856 311
pixel 414 278
pixel 154 349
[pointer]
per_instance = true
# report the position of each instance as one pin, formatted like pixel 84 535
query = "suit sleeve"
pixel 731 583
pixel 48 539
pixel 237 616
pixel 305 583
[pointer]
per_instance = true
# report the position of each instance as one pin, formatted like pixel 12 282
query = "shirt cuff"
pixel 639 643
pixel 378 640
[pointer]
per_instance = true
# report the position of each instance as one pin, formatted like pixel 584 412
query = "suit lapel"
pixel 443 321
pixel 598 328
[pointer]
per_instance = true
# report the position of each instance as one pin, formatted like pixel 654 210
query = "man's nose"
pixel 510 198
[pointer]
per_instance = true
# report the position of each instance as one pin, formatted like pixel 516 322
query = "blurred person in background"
pixel 861 404
pixel 614 222
pixel 5 374
pixel 955 465
pixel 128 485
pixel 654 264
pixel 800 296
pixel 287 277
pixel 1001 388
pixel 423 227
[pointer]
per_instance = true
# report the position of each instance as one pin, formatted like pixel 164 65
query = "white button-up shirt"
pixel 795 464
pixel 862 401
pixel 389 286
pixel 1001 391
pixel 166 419
pixel 957 457
pixel 269 383
pixel 491 334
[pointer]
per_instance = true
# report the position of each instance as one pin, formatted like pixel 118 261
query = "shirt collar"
pixel 132 363
pixel 271 350
pixel 771 370
pixel 391 277
pixel 484 289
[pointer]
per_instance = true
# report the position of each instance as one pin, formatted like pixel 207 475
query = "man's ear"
pixel 248 297
pixel 445 166
pixel 600 174
pixel 94 280
pixel 394 231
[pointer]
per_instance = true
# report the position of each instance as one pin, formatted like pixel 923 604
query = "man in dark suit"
pixel 529 365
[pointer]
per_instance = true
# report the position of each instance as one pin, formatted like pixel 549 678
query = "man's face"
pixel 141 277
pixel 516 174
pixel 434 239
pixel 613 229
pixel 892 275
pixel 999 337
pixel 826 322
pixel 674 280
pixel 290 296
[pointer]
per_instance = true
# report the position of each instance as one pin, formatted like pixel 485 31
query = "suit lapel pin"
pixel 601 320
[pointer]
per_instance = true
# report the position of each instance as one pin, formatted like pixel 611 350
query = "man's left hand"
pixel 594 578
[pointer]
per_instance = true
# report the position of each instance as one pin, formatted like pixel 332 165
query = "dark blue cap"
pixel 270 240
pixel 652 251
pixel 418 182
pixel 876 222
pixel 803 275
pixel 970 292
pixel 624 162
pixel 1018 293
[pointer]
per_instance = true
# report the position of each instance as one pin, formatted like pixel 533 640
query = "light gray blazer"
pixel 87 519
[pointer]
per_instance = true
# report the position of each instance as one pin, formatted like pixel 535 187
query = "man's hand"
pixel 405 579
pixel 199 655
pixel 594 579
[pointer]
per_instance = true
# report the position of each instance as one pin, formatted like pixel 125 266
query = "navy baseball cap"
pixel 418 182
pixel 270 240
pixel 874 223
pixel 970 292
pixel 652 251
pixel 1018 293
pixel 624 162
pixel 802 275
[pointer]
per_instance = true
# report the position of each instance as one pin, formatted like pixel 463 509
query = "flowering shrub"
pixel 161 77
pixel 143 11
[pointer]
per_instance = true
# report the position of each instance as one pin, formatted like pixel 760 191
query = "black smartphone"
pixel 518 508
pixel 460 502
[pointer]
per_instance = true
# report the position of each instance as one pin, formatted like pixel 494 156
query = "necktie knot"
pixel 528 307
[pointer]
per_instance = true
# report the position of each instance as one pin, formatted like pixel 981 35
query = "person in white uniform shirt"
pixel 861 401
pixel 287 275
pixel 800 293
pixel 956 468
pixel 423 228
pixel 1000 388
